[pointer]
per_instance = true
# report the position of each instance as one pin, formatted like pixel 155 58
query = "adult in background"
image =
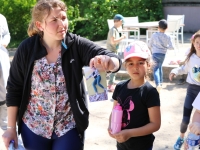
pixel 45 90
pixel 4 69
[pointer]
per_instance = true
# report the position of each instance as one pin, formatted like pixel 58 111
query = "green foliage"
pixel 86 18
pixel 99 11
pixel 17 13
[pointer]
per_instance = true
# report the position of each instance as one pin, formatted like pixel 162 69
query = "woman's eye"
pixel 64 19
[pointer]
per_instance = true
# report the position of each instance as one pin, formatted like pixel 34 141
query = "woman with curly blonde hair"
pixel 45 90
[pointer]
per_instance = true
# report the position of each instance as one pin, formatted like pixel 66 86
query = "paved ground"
pixel 172 98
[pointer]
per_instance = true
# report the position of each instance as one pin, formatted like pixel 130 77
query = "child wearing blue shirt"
pixel 159 43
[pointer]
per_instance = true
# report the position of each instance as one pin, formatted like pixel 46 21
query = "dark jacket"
pixel 78 54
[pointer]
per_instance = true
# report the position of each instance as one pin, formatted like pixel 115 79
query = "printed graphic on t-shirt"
pixel 196 73
pixel 127 106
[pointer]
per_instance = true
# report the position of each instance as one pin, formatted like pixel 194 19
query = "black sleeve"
pixel 114 96
pixel 16 79
pixel 152 98
pixel 88 50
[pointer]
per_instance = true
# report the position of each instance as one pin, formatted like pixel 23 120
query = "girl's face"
pixel 196 44
pixel 137 68
pixel 55 25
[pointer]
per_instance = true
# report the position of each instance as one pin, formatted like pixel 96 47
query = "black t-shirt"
pixel 135 104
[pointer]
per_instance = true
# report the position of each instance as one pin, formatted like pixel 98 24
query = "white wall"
pixel 192 16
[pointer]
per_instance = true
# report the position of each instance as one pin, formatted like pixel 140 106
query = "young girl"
pixel 140 122
pixel 191 67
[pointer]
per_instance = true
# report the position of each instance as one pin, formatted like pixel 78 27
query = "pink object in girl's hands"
pixel 116 119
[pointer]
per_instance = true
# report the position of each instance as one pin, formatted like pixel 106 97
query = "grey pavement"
pixel 172 98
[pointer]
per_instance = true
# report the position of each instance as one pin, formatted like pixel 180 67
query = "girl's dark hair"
pixel 40 10
pixel 192 49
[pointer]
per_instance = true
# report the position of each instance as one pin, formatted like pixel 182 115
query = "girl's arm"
pixel 154 125
pixel 178 71
pixel 196 116
pixel 195 126
pixel 181 70
pixel 115 41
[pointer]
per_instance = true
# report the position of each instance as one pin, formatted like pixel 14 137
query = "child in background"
pixel 159 44
pixel 191 67
pixel 139 123
pixel 113 40
pixel 183 77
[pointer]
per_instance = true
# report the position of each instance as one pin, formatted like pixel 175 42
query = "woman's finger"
pixel 106 62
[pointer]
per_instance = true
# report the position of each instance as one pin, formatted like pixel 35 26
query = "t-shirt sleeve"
pixel 114 96
pixel 196 103
pixel 152 98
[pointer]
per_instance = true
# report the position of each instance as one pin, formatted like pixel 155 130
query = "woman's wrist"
pixel 115 62
pixel 11 127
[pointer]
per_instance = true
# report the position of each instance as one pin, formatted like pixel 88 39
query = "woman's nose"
pixel 61 22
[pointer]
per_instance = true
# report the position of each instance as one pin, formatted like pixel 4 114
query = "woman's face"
pixel 55 25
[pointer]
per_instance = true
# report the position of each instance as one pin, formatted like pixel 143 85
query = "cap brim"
pixel 136 55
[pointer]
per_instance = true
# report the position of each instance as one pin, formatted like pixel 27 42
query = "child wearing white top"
pixel 192 68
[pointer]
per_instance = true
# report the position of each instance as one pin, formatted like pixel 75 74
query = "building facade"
pixel 190 8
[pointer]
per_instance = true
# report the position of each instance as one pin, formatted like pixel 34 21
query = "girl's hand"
pixel 195 128
pixel 122 136
pixel 10 134
pixel 110 132
pixel 185 145
pixel 171 76
pixel 104 63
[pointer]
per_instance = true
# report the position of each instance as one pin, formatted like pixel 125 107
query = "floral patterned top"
pixel 48 110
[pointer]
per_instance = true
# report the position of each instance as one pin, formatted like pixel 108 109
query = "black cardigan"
pixel 79 49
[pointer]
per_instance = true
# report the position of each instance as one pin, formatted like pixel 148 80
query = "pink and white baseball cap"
pixel 137 49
